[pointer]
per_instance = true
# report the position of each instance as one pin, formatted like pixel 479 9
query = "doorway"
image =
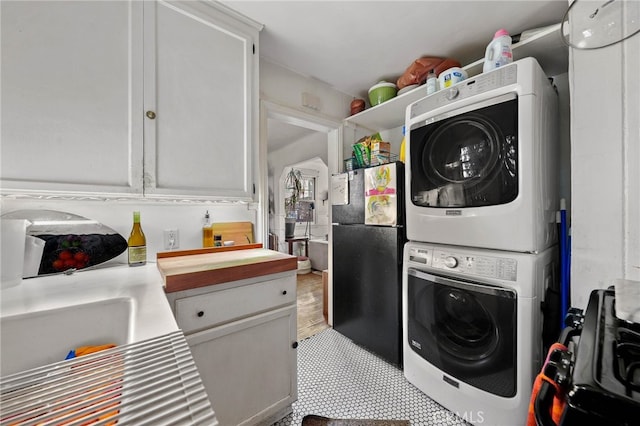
pixel 290 137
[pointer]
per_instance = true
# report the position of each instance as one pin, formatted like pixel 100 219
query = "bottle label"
pixel 138 255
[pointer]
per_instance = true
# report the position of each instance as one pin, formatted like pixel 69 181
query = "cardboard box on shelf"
pixel 380 146
pixel 380 153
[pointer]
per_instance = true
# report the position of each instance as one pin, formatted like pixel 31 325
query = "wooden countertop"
pixel 187 271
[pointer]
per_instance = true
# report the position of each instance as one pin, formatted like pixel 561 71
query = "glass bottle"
pixel 137 243
pixel 207 231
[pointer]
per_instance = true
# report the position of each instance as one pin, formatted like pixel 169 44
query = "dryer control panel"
pixel 500 77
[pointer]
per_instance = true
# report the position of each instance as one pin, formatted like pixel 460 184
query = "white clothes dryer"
pixel 482 162
pixel 472 327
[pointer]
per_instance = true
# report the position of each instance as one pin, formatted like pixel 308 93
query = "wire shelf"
pixel 352 163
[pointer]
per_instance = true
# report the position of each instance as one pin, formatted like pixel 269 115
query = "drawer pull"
pixel 200 313
pixel 284 291
pixel 294 345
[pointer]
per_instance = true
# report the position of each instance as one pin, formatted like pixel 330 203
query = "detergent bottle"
pixel 498 52
pixel 402 144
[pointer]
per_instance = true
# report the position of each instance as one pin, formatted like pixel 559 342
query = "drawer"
pixel 207 310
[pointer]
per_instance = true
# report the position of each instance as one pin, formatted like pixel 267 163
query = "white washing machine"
pixel 472 327
pixel 482 162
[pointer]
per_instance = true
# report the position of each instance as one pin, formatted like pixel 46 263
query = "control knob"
pixel 450 262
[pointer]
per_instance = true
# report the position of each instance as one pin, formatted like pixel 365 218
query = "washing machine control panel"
pixel 468 264
pixel 420 256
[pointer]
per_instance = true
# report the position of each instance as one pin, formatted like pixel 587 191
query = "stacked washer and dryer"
pixel 481 203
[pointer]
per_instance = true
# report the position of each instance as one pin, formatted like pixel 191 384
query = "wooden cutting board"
pixel 198 270
pixel 238 232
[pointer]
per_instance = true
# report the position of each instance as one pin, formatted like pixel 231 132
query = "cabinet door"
pixel 71 97
pixel 199 81
pixel 248 367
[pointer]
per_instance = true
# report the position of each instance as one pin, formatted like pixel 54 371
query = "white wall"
pixel 605 159
pixel 155 217
pixel 285 87
pixel 313 145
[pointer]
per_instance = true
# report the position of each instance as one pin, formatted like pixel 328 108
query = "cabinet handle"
pixel 200 313
pixel 284 291
pixel 151 114
pixel 294 345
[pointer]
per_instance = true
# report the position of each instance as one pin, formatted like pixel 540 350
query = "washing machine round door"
pixel 466 329
pixel 467 160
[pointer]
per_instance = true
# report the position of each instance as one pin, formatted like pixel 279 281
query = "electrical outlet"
pixel 171 239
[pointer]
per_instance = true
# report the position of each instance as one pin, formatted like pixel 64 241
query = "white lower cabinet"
pixel 246 366
pixel 242 336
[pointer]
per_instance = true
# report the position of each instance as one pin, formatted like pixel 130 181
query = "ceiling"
pixel 351 45
pixel 281 134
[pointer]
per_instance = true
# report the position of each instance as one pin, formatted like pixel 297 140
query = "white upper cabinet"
pixel 128 98
pixel 71 92
pixel 200 83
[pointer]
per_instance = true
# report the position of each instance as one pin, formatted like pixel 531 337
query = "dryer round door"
pixel 467 330
pixel 467 160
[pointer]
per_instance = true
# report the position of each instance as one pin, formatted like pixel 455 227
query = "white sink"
pixel 43 318
pixel 38 338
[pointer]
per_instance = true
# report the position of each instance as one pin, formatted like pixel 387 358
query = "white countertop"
pixel 126 302
pixel 152 316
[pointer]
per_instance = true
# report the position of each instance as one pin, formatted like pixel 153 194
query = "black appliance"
pixel 600 376
pixel 367 272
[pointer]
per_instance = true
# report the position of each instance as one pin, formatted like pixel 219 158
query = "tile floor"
pixel 339 379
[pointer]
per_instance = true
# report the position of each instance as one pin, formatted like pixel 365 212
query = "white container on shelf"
pixel 498 52
pixel 448 78
pixel 432 82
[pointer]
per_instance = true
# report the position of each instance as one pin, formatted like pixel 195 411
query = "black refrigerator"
pixel 367 258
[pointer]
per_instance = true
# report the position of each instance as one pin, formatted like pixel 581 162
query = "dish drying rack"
pixel 152 382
